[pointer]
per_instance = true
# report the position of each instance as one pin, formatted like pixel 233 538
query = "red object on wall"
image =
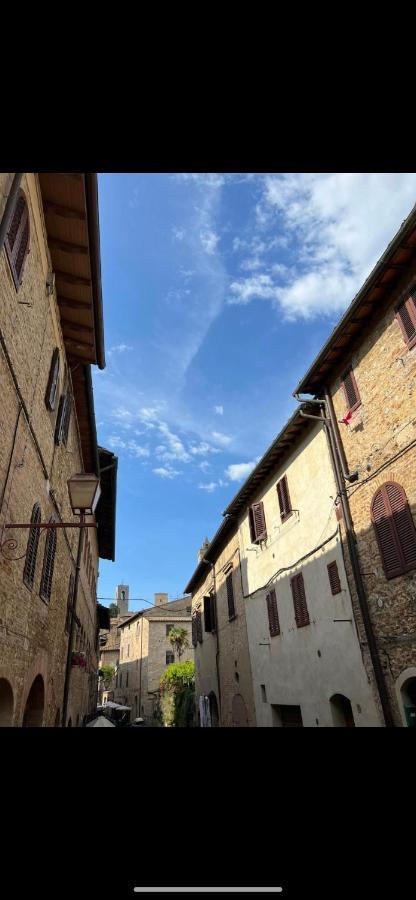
pixel 347 418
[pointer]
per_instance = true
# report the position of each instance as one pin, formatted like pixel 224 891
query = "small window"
pixel 199 627
pixel 257 523
pixel 272 611
pixel 170 658
pixel 334 578
pixel 209 613
pixel 263 693
pixel 48 564
pixel 17 240
pixel 284 498
pixel 350 388
pixel 299 600
pixel 169 629
pixel 230 596
pixel 62 421
pixel 395 529
pixel 406 316
pixel 32 548
pixel 52 388
pixel 189 610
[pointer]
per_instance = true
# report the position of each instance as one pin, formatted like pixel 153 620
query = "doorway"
pixel 342 714
pixel 6 703
pixel 33 714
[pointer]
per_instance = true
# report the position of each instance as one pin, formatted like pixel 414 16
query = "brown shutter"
pixel 406 315
pixel 349 385
pixel 207 613
pixel 251 523
pixel 230 596
pixel 48 564
pixel 199 627
pixel 395 529
pixel 62 421
pixel 273 614
pixel 51 390
pixel 194 631
pixel 17 240
pixel 259 522
pixel 284 498
pixel 334 578
pixel 32 548
pixel 66 419
pixel 299 600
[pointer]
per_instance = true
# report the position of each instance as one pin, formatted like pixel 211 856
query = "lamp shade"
pixel 84 493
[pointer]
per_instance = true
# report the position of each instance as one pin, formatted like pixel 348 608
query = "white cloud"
pixel 118 348
pixel 238 471
pixel 176 448
pixel 209 241
pixel 219 410
pixel 257 287
pixel 202 179
pixel 202 449
pixel 166 472
pixel 178 233
pixel 208 487
pixel 204 465
pixel 220 438
pixel 131 446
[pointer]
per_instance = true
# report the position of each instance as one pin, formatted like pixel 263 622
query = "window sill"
pixel 412 343
pixel 232 618
pixel 302 624
pixel 286 516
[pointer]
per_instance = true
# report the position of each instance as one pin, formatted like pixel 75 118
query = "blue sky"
pixel 218 291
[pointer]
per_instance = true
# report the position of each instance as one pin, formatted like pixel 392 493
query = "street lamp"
pixel 84 493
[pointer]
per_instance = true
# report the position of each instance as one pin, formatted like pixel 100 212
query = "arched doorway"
pixel 6 703
pixel 33 714
pixel 69 723
pixel 342 713
pixel 408 692
pixel 213 707
pixel 77 723
pixel 239 712
pixel 57 718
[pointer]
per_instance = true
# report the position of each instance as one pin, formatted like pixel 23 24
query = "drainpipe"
pixel 334 442
pixel 72 628
pixel 217 662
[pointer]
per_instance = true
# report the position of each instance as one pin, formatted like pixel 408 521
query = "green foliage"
pixel 107 672
pixel 113 610
pixel 177 695
pixel 179 639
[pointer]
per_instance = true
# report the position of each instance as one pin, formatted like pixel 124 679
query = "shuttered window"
pixel 52 388
pixel 70 603
pixel 406 316
pixel 257 521
pixel 273 614
pixel 230 596
pixel 284 498
pixel 17 240
pixel 333 576
pixel 349 385
pixel 48 564
pixel 395 529
pixel 199 627
pixel 194 631
pixel 32 548
pixel 209 613
pixel 62 421
pixel 299 600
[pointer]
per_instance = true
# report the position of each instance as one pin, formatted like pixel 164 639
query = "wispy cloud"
pixel 118 348
pixel 178 233
pixel 239 471
pixel 223 439
pixel 202 449
pixel 132 447
pixel 219 410
pixel 166 472
pixel 209 241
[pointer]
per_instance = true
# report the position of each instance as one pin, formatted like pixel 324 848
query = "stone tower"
pixel 161 599
pixel 202 550
pixel 122 599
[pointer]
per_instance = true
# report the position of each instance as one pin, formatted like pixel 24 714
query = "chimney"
pixel 203 549
pixel 161 598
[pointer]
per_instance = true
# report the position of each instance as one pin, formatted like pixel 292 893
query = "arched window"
pixel 395 529
pixel 32 548
pixel 17 239
pixel 342 713
pixel 48 565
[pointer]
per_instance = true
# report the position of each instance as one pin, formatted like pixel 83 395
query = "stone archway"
pixel 213 707
pixel 33 714
pixel 342 713
pixel 239 712
pixel 6 703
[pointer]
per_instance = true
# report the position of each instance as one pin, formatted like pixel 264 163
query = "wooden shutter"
pixel 284 498
pixel 48 564
pixel 208 618
pixel 51 390
pixel 259 523
pixel 230 596
pixel 32 548
pixel 273 614
pixel 406 316
pixel 299 600
pixel 62 421
pixel 66 418
pixel 199 627
pixel 70 603
pixel 395 529
pixel 334 578
pixel 349 385
pixel 194 631
pixel 17 239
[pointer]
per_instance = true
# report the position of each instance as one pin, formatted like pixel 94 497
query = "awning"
pixel 112 705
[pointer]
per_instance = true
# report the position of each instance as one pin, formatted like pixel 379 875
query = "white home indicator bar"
pixel 208 890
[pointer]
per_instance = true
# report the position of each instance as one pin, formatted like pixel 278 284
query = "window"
pixel 230 596
pixel 170 658
pixel 194 631
pixel 287 716
pixel 123 595
pixel 169 629
pixel 263 693
pixel 48 564
pixel 17 240
pixel 70 603
pixel 395 529
pixel 257 522
pixel 121 679
pixel 273 614
pixel 209 612
pixel 284 498
pixel 406 316
pixel 62 420
pixel 52 388
pixel 199 627
pixel 350 388
pixel 334 578
pixel 299 600
pixel 32 548
pixel 189 610
pixel 127 679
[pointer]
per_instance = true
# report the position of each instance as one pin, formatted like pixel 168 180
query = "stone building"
pixel 223 681
pixel 365 378
pixel 306 662
pixel 110 643
pixel 145 651
pixel 51 332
